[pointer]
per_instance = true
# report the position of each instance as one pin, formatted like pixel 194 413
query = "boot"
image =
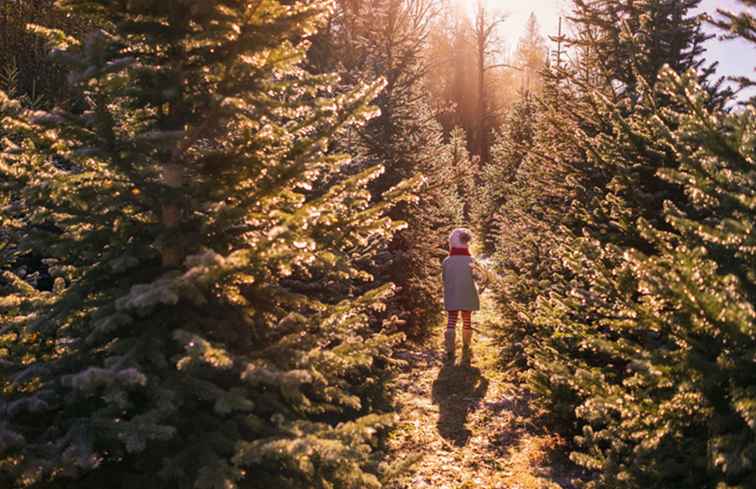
pixel 466 353
pixel 466 338
pixel 450 343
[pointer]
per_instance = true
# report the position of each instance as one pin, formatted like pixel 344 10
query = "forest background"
pixel 221 218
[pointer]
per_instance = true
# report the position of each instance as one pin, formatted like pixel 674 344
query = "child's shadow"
pixel 457 390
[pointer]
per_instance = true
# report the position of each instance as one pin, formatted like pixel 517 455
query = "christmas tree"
pixel 385 39
pixel 207 326
pixel 640 339
pixel 507 155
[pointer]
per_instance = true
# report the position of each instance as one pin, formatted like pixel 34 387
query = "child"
pixel 460 293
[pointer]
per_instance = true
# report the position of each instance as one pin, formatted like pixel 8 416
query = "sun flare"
pixel 547 13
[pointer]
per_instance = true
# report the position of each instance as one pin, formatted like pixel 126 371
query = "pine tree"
pixel 735 25
pixel 633 342
pixel 204 328
pixel 386 39
pixel 507 154
pixel 418 250
pixel 659 347
pixel 585 105
pixel 625 41
pixel 622 46
pixel 536 213
pixel 530 57
pixel 22 54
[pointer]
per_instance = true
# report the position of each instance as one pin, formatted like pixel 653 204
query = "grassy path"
pixel 465 424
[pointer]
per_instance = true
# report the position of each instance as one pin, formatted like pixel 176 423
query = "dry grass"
pixel 467 424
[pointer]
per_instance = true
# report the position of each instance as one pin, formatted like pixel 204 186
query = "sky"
pixel 735 57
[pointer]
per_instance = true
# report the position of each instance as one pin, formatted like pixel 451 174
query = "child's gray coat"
pixel 460 293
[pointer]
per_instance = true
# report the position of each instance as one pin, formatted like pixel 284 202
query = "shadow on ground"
pixel 458 390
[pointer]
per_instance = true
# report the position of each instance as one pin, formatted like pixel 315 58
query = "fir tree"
pixel 623 41
pixel 584 106
pixel 419 249
pixel 509 150
pixel 633 341
pixel 738 24
pixel 530 57
pixel 24 65
pixel 203 329
pixel 386 39
pixel 657 345
pixel 535 214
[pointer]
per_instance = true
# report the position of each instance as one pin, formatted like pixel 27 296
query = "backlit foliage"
pixel 203 329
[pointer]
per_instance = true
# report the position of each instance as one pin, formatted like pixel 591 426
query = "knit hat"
pixel 459 238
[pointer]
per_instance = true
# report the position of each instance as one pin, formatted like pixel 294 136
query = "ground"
pixel 467 424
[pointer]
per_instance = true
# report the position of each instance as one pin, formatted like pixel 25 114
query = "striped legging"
pixel 466 320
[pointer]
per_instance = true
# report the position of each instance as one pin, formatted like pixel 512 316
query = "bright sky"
pixel 517 13
pixel 735 57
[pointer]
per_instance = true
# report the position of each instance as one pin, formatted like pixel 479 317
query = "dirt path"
pixel 465 424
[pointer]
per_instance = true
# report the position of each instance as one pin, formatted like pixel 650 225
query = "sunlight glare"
pixel 517 12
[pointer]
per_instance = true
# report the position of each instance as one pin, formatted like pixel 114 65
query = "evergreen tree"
pixel 418 250
pixel 509 150
pixel 530 57
pixel 24 65
pixel 657 344
pixel 582 107
pixel 624 41
pixel 738 24
pixel 204 328
pixel 535 214
pixel 631 337
pixel 386 39
pixel 622 45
